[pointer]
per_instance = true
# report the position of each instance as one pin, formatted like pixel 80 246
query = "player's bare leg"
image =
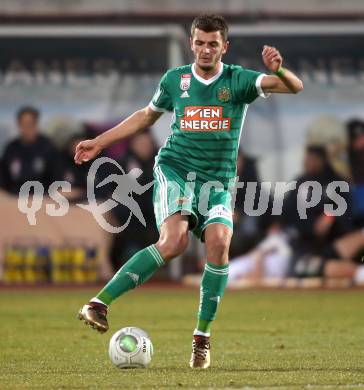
pixel 217 240
pixel 172 242
pixel 173 239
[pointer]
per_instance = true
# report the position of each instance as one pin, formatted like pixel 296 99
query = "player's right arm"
pixel 140 120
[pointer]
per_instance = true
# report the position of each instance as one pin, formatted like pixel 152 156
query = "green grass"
pixel 287 339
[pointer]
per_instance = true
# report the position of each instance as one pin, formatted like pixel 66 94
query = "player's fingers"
pixel 77 153
pixel 270 54
pixel 276 58
pixel 266 50
pixel 270 57
pixel 274 54
pixel 277 51
pixel 79 146
pixel 78 157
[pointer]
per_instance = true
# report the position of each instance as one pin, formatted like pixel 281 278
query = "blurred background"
pixel 70 70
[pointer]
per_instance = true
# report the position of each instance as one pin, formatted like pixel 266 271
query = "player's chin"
pixel 206 66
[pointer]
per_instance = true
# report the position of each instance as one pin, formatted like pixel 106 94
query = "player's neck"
pixel 208 74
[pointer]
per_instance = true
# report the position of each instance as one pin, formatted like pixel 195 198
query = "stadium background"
pixel 86 65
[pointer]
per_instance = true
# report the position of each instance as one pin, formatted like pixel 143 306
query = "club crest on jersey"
pixel 185 81
pixel 223 94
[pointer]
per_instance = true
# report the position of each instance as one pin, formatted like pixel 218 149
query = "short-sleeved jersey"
pixel 208 116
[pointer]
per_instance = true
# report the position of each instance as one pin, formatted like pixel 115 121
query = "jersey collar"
pixel 210 80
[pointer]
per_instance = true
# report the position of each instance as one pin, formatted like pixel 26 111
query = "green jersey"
pixel 208 116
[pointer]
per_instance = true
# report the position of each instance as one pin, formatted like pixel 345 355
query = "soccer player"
pixel 209 101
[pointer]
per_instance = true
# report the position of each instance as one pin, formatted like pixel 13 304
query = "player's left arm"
pixel 284 81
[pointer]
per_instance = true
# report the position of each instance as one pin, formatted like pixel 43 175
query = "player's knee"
pixel 218 248
pixel 217 244
pixel 172 245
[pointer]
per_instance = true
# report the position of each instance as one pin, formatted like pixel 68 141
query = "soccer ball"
pixel 130 348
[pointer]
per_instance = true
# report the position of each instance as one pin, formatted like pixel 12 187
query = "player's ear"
pixel 225 47
pixel 191 43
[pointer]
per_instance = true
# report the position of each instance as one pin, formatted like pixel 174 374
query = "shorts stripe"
pixel 165 194
pixel 162 193
pixel 159 189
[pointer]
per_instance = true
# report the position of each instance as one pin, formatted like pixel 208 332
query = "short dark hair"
pixel 210 23
pixel 27 110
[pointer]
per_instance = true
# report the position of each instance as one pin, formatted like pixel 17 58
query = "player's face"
pixel 208 48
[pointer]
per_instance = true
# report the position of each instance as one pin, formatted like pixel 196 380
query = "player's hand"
pixel 272 58
pixel 86 151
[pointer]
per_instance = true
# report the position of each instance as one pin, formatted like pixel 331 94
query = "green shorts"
pixel 203 203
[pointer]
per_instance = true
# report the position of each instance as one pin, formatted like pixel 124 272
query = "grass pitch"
pixel 263 339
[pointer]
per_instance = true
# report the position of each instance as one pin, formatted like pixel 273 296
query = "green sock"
pixel 213 285
pixel 133 273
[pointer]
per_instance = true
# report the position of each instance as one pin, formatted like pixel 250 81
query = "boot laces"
pixel 200 347
pixel 100 311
